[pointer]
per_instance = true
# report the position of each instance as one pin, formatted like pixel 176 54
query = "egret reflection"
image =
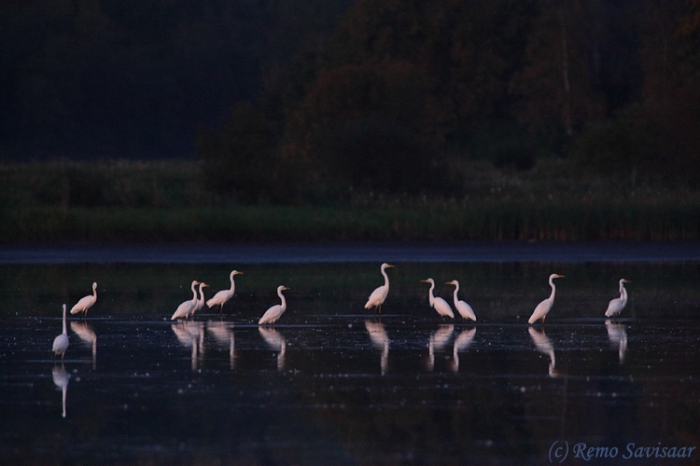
pixel 88 336
pixel 461 343
pixel 60 380
pixel 617 334
pixel 380 340
pixel 276 341
pixel 223 334
pixel 544 345
pixel 190 335
pixel 437 342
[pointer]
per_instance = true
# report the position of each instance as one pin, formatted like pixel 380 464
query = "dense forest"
pixel 285 100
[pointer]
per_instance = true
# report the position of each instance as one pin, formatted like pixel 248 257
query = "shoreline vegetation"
pixel 164 201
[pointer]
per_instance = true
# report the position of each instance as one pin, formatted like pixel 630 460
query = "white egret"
pixel 86 302
pixel 616 305
pixel 60 343
pixel 464 309
pixel 200 301
pixel 276 311
pixel 439 304
pixel 545 306
pixel 185 308
pixel 221 297
pixel 378 296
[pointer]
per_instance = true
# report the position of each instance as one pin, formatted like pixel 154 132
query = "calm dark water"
pixel 334 384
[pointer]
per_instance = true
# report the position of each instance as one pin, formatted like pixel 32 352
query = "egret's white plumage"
pixel 464 309
pixel 616 305
pixel 439 304
pixel 60 343
pixel 185 308
pixel 221 297
pixel 86 302
pixel 378 296
pixel 545 306
pixel 200 301
pixel 275 312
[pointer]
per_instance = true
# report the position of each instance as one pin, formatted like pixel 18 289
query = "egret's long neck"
pixel 233 284
pixel 65 330
pixel 94 291
pixel 194 292
pixel 284 301
pixel 623 292
pixel 430 293
pixel 554 288
pixel 201 292
pixel 456 290
pixel 386 278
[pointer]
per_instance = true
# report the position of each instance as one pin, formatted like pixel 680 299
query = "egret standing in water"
pixel 545 306
pixel 464 309
pixel 86 302
pixel 439 304
pixel 378 296
pixel 200 301
pixel 221 297
pixel 184 309
pixel 616 305
pixel 275 312
pixel 60 343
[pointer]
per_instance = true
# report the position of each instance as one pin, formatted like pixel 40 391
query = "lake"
pixel 333 383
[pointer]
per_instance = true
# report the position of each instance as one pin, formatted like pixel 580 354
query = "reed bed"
pixel 166 201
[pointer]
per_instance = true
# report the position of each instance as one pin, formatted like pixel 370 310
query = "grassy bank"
pixel 165 201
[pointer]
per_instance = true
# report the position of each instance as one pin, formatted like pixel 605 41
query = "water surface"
pixel 333 383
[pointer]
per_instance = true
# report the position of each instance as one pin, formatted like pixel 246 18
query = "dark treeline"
pixel 312 99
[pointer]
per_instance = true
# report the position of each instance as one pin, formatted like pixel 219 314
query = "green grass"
pixel 166 201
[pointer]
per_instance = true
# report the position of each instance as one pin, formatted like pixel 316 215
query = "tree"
pixel 558 83
pixel 238 159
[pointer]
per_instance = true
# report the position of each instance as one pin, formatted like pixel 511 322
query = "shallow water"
pixel 334 384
